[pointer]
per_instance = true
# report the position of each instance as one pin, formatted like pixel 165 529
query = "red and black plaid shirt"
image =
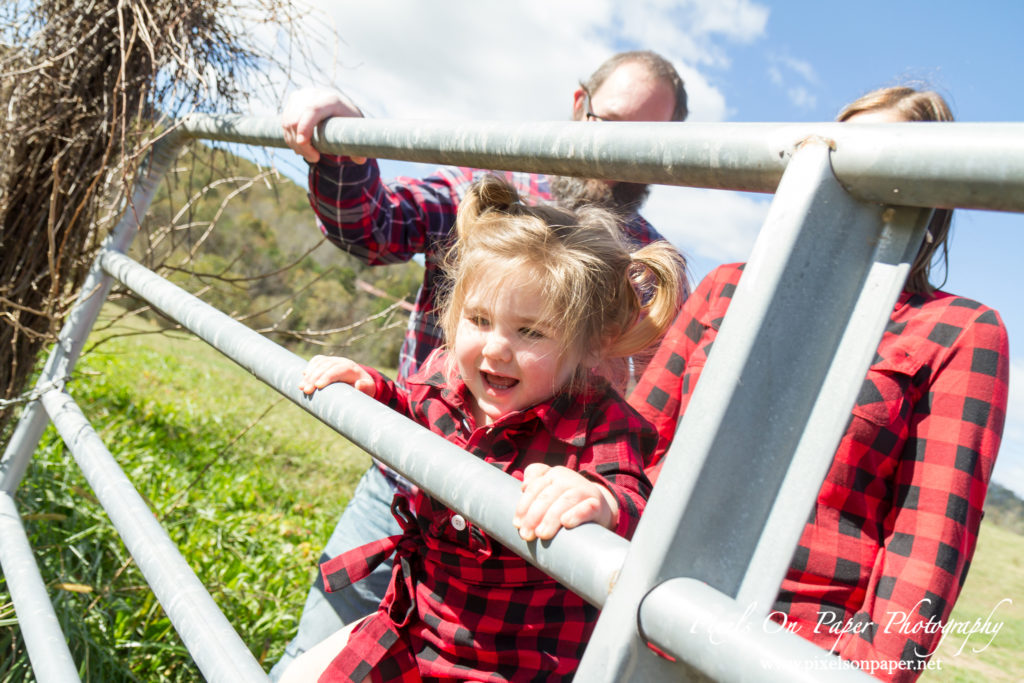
pixel 896 521
pixel 460 605
pixel 384 223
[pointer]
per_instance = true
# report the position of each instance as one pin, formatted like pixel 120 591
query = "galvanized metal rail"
pixel 694 564
pixel 949 165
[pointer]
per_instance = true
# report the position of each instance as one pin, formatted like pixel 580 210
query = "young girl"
pixel 538 299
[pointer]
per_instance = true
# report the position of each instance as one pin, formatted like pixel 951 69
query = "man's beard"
pixel 623 198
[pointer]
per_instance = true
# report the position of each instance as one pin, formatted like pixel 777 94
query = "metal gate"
pixel 844 226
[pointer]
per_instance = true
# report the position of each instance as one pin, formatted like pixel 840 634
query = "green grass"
pixel 994 591
pixel 248 485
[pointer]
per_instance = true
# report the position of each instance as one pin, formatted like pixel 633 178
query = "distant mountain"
pixel 1003 507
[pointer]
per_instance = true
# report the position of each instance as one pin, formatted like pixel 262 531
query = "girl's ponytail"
pixel 488 195
pixel 657 278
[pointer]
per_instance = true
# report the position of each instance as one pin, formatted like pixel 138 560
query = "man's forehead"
pixel 632 93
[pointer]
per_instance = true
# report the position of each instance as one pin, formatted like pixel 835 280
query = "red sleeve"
pixel 940 482
pixel 615 459
pixel 389 393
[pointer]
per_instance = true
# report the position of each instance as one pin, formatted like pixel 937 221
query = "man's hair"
pixel 659 67
pixel 913 105
pixel 591 284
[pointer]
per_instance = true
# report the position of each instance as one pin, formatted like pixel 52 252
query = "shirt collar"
pixel 564 416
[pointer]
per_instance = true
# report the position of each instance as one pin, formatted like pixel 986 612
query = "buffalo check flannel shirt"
pixel 460 605
pixel 390 222
pixel 893 530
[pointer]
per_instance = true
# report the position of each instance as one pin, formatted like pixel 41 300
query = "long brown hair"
pixel 913 105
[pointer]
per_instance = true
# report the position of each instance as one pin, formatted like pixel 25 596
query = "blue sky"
pixel 742 60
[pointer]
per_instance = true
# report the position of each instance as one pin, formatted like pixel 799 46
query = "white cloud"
pixel 713 224
pixel 470 60
pixel 802 68
pixel 705 101
pixel 693 32
pixel 465 60
pixel 796 78
pixel 802 97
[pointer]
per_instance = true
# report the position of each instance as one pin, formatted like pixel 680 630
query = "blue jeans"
pixel 366 518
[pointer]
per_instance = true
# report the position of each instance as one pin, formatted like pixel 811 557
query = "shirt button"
pixel 459 522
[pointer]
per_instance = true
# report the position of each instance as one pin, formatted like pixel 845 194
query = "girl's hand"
pixel 556 497
pixel 324 370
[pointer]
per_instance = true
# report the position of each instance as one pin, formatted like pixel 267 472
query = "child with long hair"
pixel 538 300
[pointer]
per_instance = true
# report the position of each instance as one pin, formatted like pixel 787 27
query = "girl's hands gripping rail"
pixel 324 370
pixel 553 497
pixel 556 497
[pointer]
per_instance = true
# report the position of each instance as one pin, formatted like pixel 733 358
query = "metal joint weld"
pixel 810 139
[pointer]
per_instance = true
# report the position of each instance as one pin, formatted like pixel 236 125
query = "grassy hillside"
pixel 250 486
pixel 992 599
pixel 247 484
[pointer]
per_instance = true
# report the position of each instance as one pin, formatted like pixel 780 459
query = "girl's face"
pixel 509 357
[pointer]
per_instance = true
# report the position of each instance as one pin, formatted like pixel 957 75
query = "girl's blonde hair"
pixel 913 105
pixel 605 301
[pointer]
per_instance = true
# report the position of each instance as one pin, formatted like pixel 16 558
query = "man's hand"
pixel 556 497
pixel 305 110
pixel 324 370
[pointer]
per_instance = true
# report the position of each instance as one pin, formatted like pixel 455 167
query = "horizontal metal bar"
pixel 586 559
pixel 712 633
pixel 213 643
pixel 965 165
pixel 47 647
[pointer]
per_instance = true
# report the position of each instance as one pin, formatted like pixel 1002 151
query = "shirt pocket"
pixel 885 397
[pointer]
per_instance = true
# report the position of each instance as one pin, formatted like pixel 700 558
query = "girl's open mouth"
pixel 498 382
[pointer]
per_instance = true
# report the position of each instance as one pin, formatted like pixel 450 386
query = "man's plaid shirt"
pixel 461 605
pixel 896 521
pixel 390 222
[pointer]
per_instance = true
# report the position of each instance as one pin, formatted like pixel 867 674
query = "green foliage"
pixel 245 240
pixel 992 597
pixel 247 486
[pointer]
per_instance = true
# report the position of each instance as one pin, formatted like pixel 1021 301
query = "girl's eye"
pixel 531 333
pixel 479 320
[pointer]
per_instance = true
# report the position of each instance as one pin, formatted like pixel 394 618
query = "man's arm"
pixel 377 222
